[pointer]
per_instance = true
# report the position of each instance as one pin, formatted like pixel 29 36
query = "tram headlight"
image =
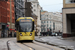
pixel 30 34
pixel 21 34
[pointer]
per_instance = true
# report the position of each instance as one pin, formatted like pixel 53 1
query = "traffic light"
pixel 28 10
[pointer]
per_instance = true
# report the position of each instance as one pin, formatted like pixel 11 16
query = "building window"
pixel 49 18
pixel 53 26
pixel 69 1
pixel 50 21
pixel 50 25
pixel 72 1
pixel 34 10
pixel 34 5
pixel 47 25
pixel 44 18
pixel 44 21
pixel 47 21
pixel 41 21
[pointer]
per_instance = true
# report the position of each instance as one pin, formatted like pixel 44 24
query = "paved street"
pixel 3 45
pixel 58 41
pixel 13 45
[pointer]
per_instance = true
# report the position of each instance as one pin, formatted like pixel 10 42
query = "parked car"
pixel 54 34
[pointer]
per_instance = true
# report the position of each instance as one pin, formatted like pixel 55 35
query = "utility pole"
pixel 10 15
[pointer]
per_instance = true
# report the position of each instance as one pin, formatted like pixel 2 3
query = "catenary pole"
pixel 10 15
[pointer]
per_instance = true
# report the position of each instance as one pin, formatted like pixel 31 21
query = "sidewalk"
pixel 57 41
pixel 3 45
pixel 12 45
pixel 69 38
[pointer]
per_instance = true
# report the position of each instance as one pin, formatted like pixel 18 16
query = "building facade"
pixel 68 18
pixel 37 11
pixel 6 17
pixel 19 9
pixel 51 21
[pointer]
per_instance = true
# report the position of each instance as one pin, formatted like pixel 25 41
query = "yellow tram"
pixel 25 28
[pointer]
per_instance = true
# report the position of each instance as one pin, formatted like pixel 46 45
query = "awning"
pixel 12 29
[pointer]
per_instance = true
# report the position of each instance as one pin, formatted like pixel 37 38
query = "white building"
pixel 50 20
pixel 37 11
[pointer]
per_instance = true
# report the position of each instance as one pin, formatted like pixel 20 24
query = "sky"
pixel 51 5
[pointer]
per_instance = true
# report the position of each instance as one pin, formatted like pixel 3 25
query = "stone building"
pixel 68 18
pixel 51 21
pixel 37 11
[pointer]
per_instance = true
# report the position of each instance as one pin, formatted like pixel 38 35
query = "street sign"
pixel 10 29
pixel 7 25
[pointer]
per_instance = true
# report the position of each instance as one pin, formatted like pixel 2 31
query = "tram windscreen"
pixel 25 26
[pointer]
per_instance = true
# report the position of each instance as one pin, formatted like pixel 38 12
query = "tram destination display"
pixel 25 20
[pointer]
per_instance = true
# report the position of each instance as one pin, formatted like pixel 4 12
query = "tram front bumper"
pixel 26 38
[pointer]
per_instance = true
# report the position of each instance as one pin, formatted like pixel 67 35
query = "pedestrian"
pixel 11 33
pixel 5 34
pixel 50 33
pixel 15 34
pixel 2 34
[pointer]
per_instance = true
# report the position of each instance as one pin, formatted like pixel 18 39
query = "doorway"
pixel 71 24
pixel 3 31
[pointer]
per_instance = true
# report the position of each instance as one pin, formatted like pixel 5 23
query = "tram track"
pixel 33 44
pixel 43 46
pixel 18 45
pixel 8 45
pixel 31 48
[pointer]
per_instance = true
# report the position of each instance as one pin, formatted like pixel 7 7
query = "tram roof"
pixel 24 18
